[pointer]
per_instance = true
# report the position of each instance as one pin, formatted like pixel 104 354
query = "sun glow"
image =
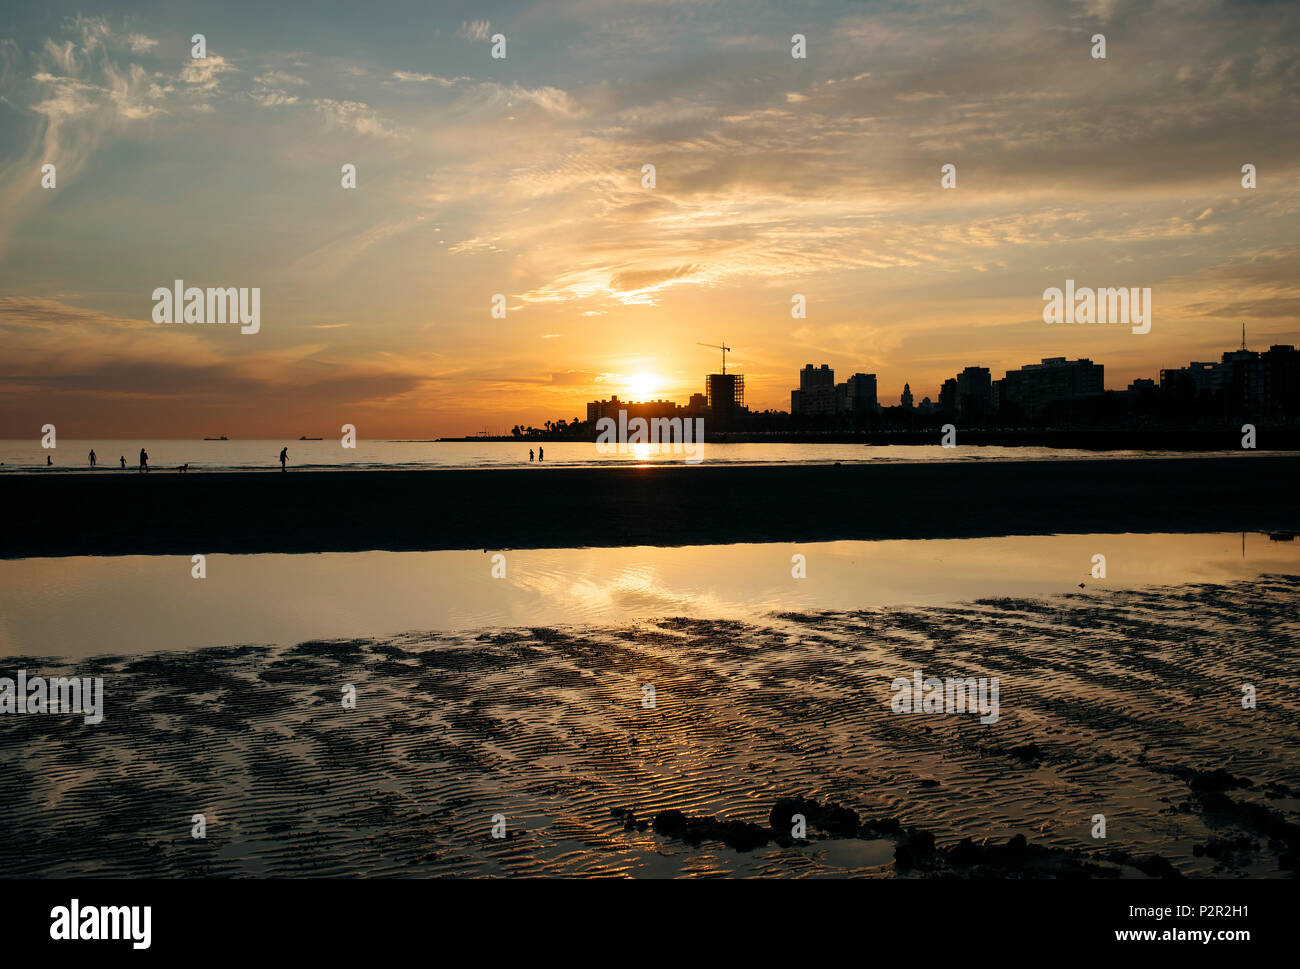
pixel 643 386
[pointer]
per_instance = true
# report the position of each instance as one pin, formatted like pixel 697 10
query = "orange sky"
pixel 522 176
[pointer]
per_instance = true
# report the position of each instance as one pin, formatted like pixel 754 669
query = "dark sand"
pixel 1120 703
pixel 118 513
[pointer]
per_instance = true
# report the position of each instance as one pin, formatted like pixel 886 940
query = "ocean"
pixel 167 455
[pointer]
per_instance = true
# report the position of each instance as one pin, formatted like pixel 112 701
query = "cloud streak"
pixel 773 176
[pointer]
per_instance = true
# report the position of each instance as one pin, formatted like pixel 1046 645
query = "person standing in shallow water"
pixel 284 456
pixel 92 457
pixel 122 458
pixel 144 460
pixel 530 455
pixel 540 453
pixel 49 460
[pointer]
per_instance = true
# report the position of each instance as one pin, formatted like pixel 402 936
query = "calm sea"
pixel 70 455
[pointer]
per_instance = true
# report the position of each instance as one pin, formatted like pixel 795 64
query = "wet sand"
pixel 1124 703
pixel 114 512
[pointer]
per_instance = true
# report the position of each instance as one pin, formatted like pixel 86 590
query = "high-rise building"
pixel 1279 378
pixel 948 398
pixel 1036 385
pixel 1264 384
pixel 1203 377
pixel 811 377
pixel 816 393
pixel 974 394
pixel 819 395
pixel 726 395
pixel 859 395
pixel 906 399
pixel 596 409
pixel 648 409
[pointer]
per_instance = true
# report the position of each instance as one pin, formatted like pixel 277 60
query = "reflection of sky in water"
pixel 87 606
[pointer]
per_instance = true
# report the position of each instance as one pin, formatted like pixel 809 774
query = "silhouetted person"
pixel 92 457
pixel 144 460
pixel 122 458
pixel 530 455
pixel 49 461
pixel 284 456
pixel 540 453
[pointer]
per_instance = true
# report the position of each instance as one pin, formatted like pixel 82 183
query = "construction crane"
pixel 718 346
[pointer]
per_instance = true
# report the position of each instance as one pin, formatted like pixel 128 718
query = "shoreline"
pixel 632 463
pixel 1279 437
pixel 92 513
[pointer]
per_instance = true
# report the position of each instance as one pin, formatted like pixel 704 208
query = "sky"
pixel 523 176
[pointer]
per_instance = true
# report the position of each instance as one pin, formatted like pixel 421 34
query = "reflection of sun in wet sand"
pixel 135 603
pixel 1111 703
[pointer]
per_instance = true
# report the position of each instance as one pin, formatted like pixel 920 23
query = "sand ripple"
pixel 1109 703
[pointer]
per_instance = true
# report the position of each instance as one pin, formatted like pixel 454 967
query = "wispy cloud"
pixel 474 29
pixel 773 176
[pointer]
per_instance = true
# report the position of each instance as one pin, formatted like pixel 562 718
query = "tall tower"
pixel 907 396
pixel 726 396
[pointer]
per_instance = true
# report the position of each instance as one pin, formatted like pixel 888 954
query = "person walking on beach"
pixel 530 455
pixel 92 457
pixel 284 456
pixel 144 460
pixel 540 453
pixel 122 458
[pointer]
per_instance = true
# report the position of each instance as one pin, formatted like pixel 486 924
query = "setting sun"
pixel 643 386
pixel 659 436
